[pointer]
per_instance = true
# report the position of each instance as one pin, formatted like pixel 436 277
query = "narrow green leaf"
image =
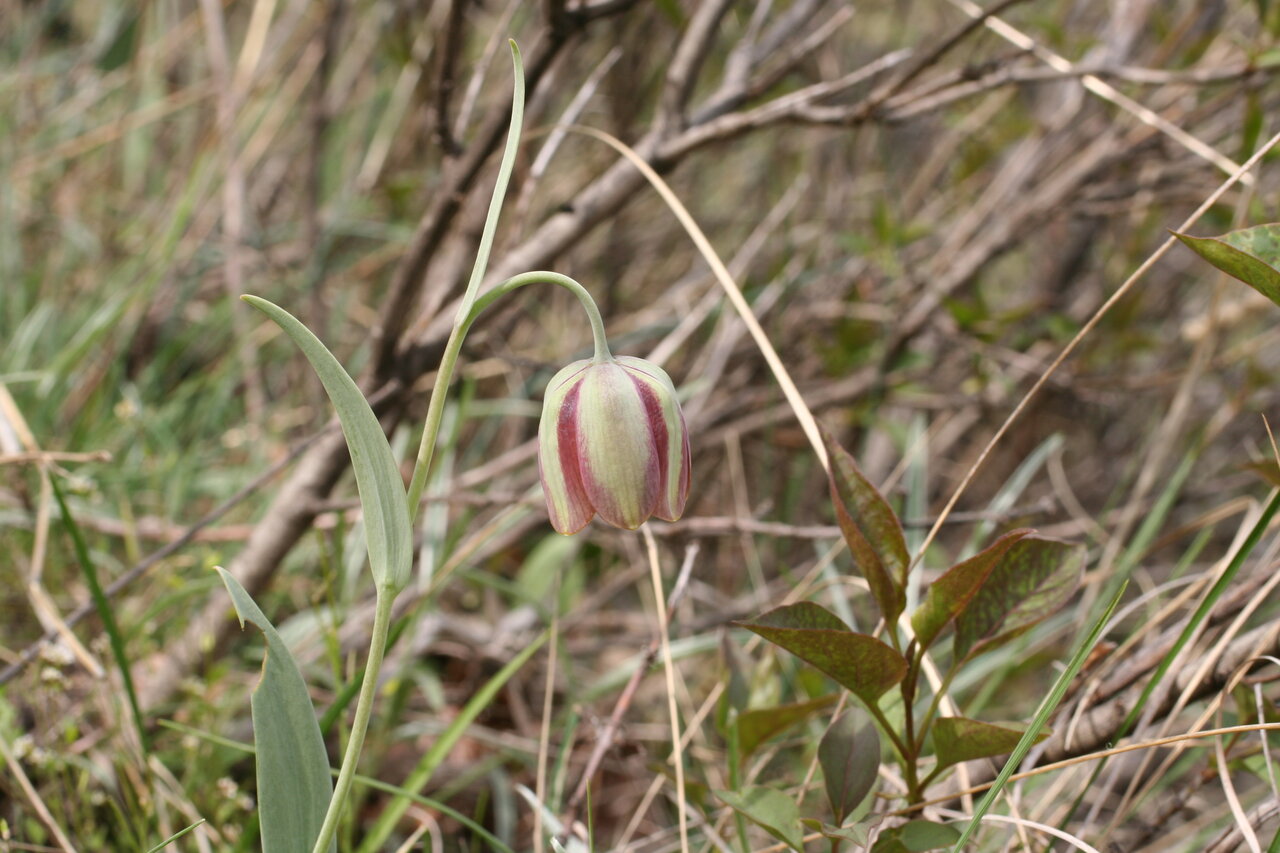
pixel 1034 578
pixel 759 724
pixel 1249 254
pixel 957 739
pixel 1046 709
pixel 175 837
pixel 105 613
pixel 1190 628
pixel 382 495
pixel 861 663
pixel 871 529
pixel 948 596
pixel 916 836
pixel 855 833
pixel 850 757
pixel 294 786
pixel 772 810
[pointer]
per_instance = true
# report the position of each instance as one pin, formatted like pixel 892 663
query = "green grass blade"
pixel 1041 718
pixel 105 613
pixel 294 786
pixel 435 756
pixel 1188 631
pixel 499 188
pixel 382 496
pixel 175 837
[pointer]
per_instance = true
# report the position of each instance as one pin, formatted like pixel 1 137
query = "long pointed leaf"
pixel 863 664
pixel 1249 254
pixel 1041 717
pixel 948 596
pixel 293 768
pixel 1034 578
pixel 871 530
pixel 850 757
pixel 957 739
pixel 382 495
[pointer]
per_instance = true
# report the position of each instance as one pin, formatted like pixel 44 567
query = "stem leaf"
pixel 759 724
pixel 1249 254
pixel 859 662
pixel 294 785
pixel 775 812
pixel 871 529
pixel 1034 578
pixel 957 739
pixel 916 836
pixel 850 757
pixel 948 596
pixel 382 496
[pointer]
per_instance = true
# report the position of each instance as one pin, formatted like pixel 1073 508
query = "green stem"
pixel 883 721
pixel 449 361
pixel 927 719
pixel 364 709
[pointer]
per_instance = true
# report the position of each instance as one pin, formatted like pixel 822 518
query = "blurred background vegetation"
pixel 922 207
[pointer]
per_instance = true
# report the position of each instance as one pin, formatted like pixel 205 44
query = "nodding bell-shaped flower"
pixel 612 440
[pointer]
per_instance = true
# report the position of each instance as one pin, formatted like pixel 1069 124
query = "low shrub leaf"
pixel 1033 579
pixel 957 739
pixel 1249 254
pixel 850 757
pixel 859 662
pixel 871 529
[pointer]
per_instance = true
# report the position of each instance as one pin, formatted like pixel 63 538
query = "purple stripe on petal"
pixel 573 513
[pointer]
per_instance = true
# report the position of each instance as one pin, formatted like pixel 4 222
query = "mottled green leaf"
pixel 947 597
pixel 917 836
pixel 383 500
pixel 850 757
pixel 871 530
pixel 294 785
pixel 861 663
pixel 1036 576
pixel 759 724
pixel 957 739
pixel 1250 254
pixel 772 810
pixel 855 833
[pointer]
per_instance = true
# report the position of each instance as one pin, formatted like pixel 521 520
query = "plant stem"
pixel 878 715
pixel 435 408
pixel 364 709
pixel 934 704
pixel 660 598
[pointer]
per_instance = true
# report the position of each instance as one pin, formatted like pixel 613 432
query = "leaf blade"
pixel 858 662
pixel 871 530
pixel 1035 577
pixel 388 530
pixel 294 785
pixel 850 757
pixel 1249 254
pixel 771 810
pixel 757 725
pixel 958 739
pixel 948 596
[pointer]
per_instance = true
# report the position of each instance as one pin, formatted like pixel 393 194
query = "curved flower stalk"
pixel 612 441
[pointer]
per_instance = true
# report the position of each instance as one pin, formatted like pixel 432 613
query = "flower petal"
pixel 617 459
pixel 567 502
pixel 671 436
